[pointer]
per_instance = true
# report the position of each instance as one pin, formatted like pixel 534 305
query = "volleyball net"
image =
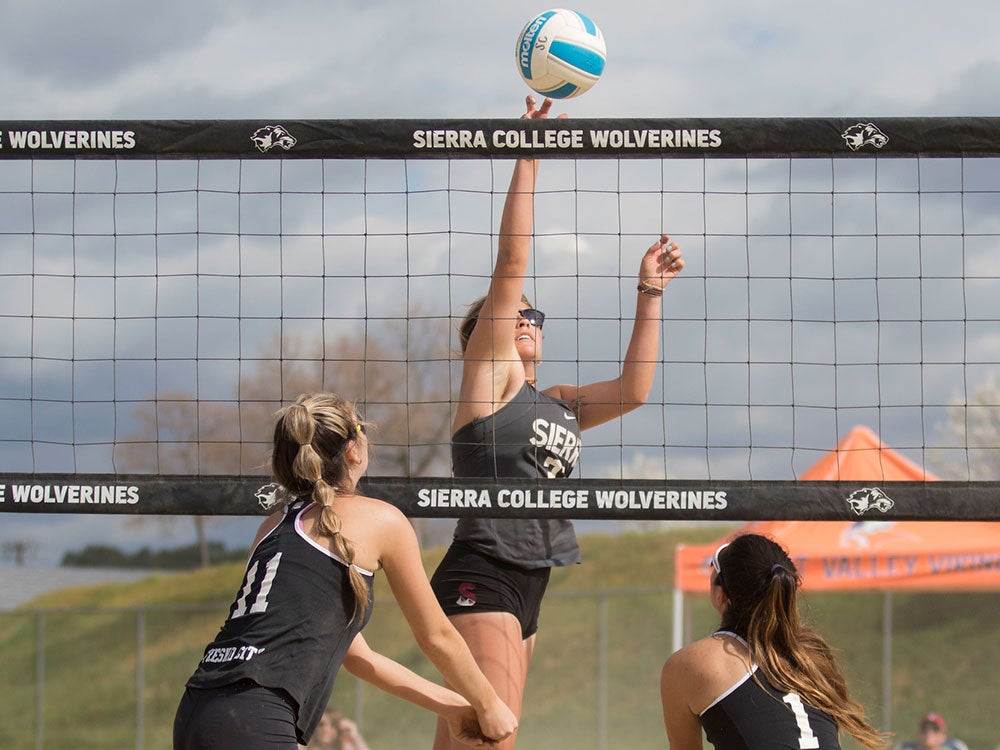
pixel 166 285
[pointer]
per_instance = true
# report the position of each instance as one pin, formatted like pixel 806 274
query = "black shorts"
pixel 241 716
pixel 467 581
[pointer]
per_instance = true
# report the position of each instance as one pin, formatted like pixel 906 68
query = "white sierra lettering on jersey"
pixel 557 440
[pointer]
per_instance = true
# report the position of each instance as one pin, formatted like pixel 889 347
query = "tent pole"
pixel 678 619
pixel 887 661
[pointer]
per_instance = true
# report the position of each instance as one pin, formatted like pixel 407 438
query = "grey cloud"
pixel 79 43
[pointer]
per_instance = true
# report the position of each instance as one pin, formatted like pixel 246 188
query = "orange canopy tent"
pixel 883 555
pixel 856 555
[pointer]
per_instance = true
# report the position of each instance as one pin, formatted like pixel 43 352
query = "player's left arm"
pixel 394 678
pixel 399 555
pixel 679 718
pixel 603 401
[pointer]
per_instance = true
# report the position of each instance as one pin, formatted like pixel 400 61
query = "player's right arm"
pixel 492 371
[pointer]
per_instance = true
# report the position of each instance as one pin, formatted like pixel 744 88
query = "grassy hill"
pixel 944 655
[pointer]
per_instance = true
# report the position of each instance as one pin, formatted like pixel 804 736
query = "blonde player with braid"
pixel 307 593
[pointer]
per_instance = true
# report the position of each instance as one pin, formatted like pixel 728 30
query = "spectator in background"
pixel 336 732
pixel 933 736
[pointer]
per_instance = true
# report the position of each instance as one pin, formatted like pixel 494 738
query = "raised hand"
pixel 541 112
pixel 660 263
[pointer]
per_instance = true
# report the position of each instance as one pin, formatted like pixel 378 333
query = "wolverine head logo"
pixel 271 495
pixel 269 136
pixel 864 134
pixel 869 498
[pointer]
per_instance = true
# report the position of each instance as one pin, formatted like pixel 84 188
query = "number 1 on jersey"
pixel 807 740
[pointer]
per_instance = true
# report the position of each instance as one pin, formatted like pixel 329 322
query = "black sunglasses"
pixel 533 316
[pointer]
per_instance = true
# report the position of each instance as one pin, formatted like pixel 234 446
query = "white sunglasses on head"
pixel 716 564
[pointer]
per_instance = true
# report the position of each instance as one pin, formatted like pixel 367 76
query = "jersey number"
pixel 260 599
pixel 554 467
pixel 807 740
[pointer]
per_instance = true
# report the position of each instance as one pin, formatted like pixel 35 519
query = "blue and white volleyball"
pixel 561 53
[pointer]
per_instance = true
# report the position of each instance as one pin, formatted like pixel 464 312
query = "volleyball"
pixel 560 53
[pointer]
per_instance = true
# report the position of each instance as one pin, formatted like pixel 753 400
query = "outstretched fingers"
pixel 542 112
pixel 661 262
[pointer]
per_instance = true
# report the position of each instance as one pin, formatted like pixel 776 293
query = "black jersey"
pixel 754 715
pixel 532 435
pixel 290 626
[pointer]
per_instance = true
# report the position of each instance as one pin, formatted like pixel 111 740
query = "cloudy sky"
pixel 249 59
pixel 117 59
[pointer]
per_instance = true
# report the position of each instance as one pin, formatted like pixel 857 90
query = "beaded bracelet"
pixel 652 291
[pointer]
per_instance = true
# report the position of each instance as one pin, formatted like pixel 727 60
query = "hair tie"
pixel 776 567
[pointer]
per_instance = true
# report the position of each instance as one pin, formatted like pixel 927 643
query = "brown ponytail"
pixel 761 584
pixel 311 438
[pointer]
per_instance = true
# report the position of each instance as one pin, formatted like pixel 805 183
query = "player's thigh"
pixel 494 638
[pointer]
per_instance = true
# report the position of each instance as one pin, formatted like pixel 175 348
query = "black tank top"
pixel 533 435
pixel 755 715
pixel 290 626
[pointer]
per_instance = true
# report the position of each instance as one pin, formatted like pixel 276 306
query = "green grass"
pixel 944 655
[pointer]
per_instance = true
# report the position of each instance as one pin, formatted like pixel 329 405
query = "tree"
pixel 972 433
pixel 176 558
pixel 399 381
pixel 18 550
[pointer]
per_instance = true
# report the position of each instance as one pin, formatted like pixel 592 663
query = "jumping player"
pixel 492 579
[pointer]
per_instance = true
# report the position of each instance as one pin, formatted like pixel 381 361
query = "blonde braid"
pixel 322 426
pixel 329 525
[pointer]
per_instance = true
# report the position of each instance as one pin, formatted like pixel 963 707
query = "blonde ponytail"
pixel 310 441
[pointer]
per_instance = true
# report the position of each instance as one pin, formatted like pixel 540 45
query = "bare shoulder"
pixel 560 391
pixel 373 518
pixel 695 657
pixel 571 394
pixel 374 527
pixel 706 669
pixel 379 510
